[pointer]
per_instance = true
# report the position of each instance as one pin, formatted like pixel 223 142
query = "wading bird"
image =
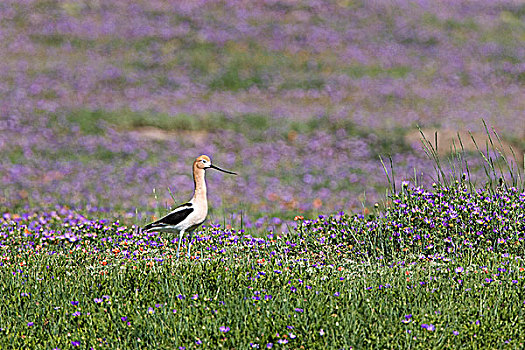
pixel 188 216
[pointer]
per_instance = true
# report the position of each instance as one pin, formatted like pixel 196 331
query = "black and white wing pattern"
pixel 172 219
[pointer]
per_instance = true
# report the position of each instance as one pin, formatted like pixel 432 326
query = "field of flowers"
pixel 104 102
pixel 317 243
pixel 440 268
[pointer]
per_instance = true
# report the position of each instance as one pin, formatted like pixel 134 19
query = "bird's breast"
pixel 201 211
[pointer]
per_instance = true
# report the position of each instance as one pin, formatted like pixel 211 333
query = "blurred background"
pixel 103 102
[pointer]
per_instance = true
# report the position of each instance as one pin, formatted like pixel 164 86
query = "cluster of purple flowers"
pixel 72 109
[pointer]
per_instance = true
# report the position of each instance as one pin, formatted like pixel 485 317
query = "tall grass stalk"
pixel 496 164
pixel 432 153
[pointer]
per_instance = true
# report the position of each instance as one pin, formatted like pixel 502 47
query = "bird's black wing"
pixel 173 218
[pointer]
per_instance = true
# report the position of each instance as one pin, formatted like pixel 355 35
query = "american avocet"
pixel 188 216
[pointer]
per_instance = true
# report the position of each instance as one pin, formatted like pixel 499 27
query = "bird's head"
pixel 204 162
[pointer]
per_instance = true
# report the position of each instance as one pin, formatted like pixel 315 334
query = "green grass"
pixel 336 282
pixel 251 125
pixel 375 316
pixel 89 121
pixel 234 78
pixel 359 71
pixel 434 269
pixel 310 83
pixel 61 39
pixel 94 122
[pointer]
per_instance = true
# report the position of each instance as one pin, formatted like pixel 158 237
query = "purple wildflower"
pixel 428 327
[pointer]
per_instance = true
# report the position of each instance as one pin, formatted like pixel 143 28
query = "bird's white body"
pixel 188 216
pixel 191 222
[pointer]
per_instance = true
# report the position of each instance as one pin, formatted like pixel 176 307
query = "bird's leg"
pixel 189 244
pixel 181 234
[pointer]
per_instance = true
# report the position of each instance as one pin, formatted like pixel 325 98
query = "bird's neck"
pixel 200 185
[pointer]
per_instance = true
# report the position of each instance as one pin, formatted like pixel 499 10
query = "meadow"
pixel 347 227
pixel 438 269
